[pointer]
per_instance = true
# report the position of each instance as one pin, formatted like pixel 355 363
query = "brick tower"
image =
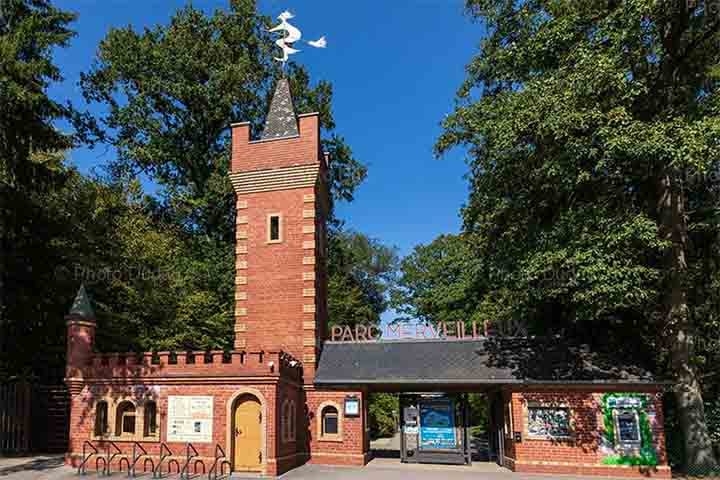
pixel 282 205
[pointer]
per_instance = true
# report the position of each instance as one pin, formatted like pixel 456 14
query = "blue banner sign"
pixel 437 425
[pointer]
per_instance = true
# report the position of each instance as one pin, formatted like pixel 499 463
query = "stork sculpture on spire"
pixel 292 35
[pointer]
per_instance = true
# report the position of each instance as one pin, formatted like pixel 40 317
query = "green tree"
pixel 170 94
pixel 361 276
pixel 442 282
pixel 29 32
pixel 383 414
pixel 592 130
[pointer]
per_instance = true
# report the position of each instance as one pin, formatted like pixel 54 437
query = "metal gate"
pixel 33 418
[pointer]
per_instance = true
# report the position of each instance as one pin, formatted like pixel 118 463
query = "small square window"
pixel 274 228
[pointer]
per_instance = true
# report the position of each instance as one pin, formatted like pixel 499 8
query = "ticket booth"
pixel 434 428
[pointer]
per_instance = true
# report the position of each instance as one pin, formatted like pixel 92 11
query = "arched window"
pixel 101 418
pixel 330 421
pixel 150 425
pixel 125 419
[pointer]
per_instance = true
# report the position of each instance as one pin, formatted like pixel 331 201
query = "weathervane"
pixel 292 35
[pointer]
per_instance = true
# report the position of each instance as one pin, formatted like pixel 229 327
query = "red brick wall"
pixel 580 454
pixel 82 418
pixel 354 447
pixel 274 153
pixel 274 306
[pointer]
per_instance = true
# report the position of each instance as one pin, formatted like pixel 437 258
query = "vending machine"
pixel 434 428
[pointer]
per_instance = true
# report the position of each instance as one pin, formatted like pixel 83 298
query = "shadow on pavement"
pixel 45 463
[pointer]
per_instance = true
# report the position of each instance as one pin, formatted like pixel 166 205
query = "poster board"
pixel 437 425
pixel 190 419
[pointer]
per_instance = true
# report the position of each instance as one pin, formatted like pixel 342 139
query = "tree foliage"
pixel 592 130
pixel 362 274
pixel 30 169
pixel 159 267
pixel 171 93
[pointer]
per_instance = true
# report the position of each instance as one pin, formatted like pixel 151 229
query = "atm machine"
pixel 433 428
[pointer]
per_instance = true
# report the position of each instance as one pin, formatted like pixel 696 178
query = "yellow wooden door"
pixel 247 434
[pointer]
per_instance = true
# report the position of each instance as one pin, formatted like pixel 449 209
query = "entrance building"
pixel 286 395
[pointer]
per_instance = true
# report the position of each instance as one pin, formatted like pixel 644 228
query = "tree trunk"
pixel 699 455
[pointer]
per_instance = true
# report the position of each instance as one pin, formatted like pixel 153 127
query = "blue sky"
pixel 395 66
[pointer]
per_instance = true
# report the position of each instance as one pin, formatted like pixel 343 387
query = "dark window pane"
pixel 101 421
pixel 274 228
pixel 128 423
pixel 330 424
pixel 150 419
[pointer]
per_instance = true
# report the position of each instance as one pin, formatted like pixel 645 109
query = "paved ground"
pixel 52 468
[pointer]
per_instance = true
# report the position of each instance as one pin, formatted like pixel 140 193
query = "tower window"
pixel 274 227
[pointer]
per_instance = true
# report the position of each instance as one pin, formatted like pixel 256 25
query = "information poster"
pixel 437 425
pixel 190 419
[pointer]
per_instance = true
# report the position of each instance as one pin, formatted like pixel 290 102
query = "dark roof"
pixel 281 120
pixel 81 305
pixel 463 362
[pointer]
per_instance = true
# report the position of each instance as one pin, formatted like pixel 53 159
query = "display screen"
pixel 437 425
pixel 627 427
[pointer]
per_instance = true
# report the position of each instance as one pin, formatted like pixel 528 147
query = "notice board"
pixel 190 419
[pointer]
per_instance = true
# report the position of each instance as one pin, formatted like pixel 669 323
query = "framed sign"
pixel 352 406
pixel 190 419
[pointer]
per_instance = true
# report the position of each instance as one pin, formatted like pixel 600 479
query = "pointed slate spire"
pixel 81 306
pixel 281 120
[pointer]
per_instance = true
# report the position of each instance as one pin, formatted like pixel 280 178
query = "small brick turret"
pixel 81 326
pixel 282 205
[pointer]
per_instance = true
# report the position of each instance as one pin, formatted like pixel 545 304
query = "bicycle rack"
pixel 137 456
pixel 219 457
pixel 152 465
pixel 82 470
pixel 97 465
pixel 195 467
pixel 127 462
pixel 164 453
pixel 185 472
pixel 177 464
pixel 109 458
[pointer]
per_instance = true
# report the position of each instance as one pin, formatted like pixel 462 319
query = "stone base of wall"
pixel 356 460
pixel 556 468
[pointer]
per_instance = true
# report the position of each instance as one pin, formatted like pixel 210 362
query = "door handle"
pixel 238 432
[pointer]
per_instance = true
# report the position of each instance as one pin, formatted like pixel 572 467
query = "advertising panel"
pixel 437 424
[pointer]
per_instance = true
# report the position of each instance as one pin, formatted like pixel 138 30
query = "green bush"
pixel 383 414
